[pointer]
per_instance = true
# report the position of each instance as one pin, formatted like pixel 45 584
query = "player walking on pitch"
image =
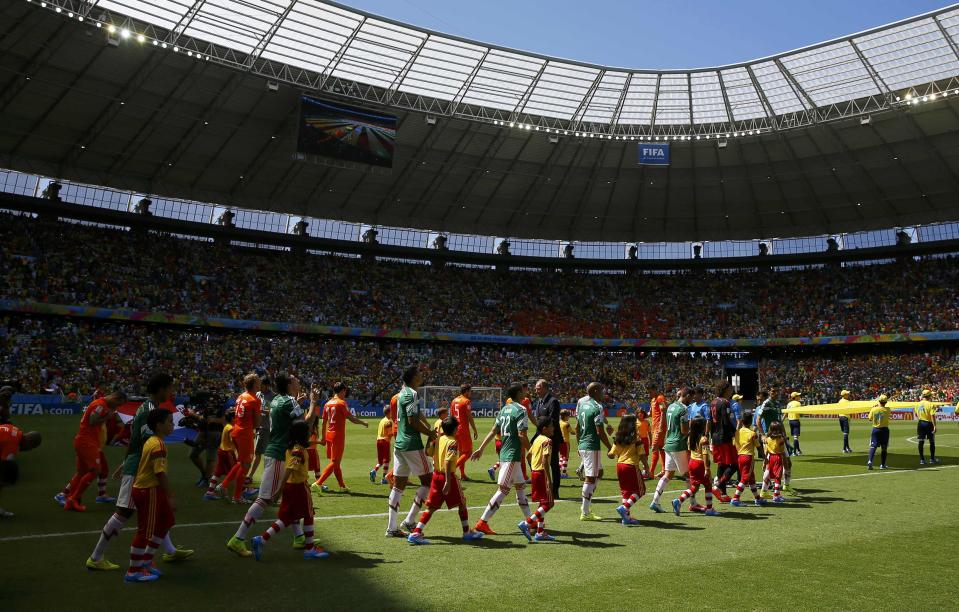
pixel 461 409
pixel 335 415
pixel 409 456
pixel 590 419
pixel 284 409
pixel 675 445
pixel 511 425
pixel 159 389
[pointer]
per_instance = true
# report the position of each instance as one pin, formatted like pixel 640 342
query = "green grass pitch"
pixel 851 540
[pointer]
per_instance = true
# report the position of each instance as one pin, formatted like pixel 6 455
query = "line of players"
pixel 686 444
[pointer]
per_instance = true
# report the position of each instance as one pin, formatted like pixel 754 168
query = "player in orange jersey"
pixel 88 444
pixel 461 409
pixel 246 421
pixel 335 415
pixel 657 413
pixel 12 441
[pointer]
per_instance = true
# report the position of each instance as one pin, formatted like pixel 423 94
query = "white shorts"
pixel 125 496
pixel 274 471
pixel 677 462
pixel 411 463
pixel 510 474
pixel 592 463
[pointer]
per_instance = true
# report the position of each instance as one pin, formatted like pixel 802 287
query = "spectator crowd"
pixel 69 263
pixel 75 357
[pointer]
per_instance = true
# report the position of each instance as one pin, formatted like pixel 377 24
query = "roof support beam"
pixel 770 113
pixel 461 93
pixel 173 36
pixel 799 91
pixel 521 104
pixel 268 36
pixel 401 75
pixel 876 79
pixel 335 60
pixel 652 116
pixel 689 99
pixel 945 34
pixel 730 120
pixel 87 7
pixel 587 98
pixel 614 119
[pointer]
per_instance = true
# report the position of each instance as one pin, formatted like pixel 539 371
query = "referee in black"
pixel 548 406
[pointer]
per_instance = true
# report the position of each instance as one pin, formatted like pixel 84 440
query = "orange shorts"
pixel 335 447
pixel 88 458
pixel 244 446
pixel 312 459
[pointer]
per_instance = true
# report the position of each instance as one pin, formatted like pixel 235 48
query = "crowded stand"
pixel 76 357
pixel 68 263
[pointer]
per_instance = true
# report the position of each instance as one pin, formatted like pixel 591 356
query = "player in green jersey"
pixel 590 421
pixel 677 429
pixel 285 408
pixel 511 425
pixel 409 456
pixel 160 390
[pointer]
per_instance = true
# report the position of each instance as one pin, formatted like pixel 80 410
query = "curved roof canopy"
pixel 333 41
pixel 848 135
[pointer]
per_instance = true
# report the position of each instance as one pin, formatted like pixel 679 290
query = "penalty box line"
pixel 67 534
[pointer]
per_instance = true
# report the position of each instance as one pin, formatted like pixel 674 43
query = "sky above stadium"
pixel 641 34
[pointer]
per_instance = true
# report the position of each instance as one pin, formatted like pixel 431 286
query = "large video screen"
pixel 346 132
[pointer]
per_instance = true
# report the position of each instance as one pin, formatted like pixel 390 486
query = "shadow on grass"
pixel 584 540
pixel 894 460
pixel 353 494
pixel 486 542
pixel 345 559
pixel 743 516
pixel 788 504
pixel 665 525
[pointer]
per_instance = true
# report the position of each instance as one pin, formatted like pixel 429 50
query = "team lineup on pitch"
pixel 689 432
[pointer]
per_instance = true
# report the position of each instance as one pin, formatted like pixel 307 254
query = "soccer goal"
pixel 486 401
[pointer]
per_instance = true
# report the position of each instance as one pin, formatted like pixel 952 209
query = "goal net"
pixel 486 401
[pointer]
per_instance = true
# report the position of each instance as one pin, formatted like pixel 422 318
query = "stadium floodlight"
pixel 124 33
pixel 155 43
pixel 52 191
pixel 111 29
pixel 300 228
pixel 163 45
pixel 59 10
pixel 865 120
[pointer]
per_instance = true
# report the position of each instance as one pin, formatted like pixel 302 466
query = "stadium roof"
pixel 845 135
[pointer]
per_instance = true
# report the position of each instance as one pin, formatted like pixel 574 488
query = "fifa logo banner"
pixel 650 154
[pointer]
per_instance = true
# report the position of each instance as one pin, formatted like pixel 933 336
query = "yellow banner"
pixel 854 407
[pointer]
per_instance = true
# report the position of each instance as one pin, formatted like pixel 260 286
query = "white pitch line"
pixel 41 536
